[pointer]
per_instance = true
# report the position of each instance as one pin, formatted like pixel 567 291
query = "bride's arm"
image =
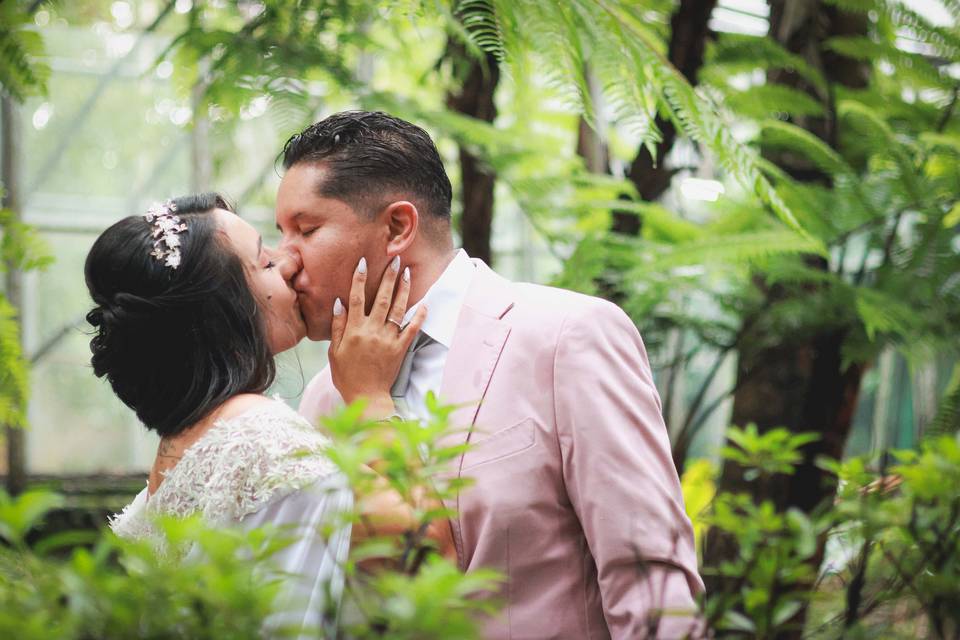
pixel 366 350
pixel 383 512
pixel 310 568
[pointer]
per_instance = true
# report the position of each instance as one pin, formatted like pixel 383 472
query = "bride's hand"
pixel 366 350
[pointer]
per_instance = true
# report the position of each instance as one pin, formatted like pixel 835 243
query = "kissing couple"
pixel 574 497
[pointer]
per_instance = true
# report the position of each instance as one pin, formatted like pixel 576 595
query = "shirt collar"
pixel 445 299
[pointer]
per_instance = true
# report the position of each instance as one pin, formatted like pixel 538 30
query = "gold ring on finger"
pixel 399 326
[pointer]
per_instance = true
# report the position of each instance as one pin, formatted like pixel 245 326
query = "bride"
pixel 190 310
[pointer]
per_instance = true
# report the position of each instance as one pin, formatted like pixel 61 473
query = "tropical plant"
pixel 21 75
pixel 22 72
pixel 893 550
pixel 83 585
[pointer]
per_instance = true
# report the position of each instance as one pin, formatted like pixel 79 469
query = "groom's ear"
pixel 402 220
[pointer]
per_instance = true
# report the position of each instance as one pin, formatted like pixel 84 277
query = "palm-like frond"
pixel 766 100
pixel 480 25
pixel 735 53
pixel 906 63
pixel 571 34
pixel 14 385
pixel 739 250
pixel 941 41
pixel 882 136
pixel 947 420
pixel 21 73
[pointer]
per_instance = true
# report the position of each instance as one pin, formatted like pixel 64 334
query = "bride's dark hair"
pixel 175 343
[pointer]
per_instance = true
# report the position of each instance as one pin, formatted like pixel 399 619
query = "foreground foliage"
pixel 891 569
pixel 892 562
pixel 87 585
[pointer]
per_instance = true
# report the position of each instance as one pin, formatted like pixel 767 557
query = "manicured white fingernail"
pixel 395 264
pixel 406 274
pixel 337 307
pixel 362 267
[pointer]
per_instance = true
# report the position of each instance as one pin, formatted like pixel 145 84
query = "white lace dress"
pixel 251 470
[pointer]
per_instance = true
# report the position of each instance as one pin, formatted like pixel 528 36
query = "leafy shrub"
pixel 100 586
pixel 891 539
pixel 882 560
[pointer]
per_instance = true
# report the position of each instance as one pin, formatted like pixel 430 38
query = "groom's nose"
pixel 289 264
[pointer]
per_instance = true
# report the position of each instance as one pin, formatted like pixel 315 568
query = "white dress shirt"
pixel 444 301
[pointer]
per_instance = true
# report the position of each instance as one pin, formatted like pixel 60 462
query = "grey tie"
pixel 399 389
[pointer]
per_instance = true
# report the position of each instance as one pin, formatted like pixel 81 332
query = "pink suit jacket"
pixel 575 496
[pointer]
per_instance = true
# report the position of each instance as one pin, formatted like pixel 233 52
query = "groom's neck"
pixel 426 267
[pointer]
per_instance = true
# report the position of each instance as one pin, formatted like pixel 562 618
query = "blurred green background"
pixel 767 188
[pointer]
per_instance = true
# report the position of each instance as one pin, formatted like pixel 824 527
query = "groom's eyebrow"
pixel 292 220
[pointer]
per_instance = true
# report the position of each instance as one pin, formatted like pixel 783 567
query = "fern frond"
pixel 886 142
pixel 883 313
pixel 567 35
pixel 783 134
pixel 734 250
pixel 765 100
pixel 659 223
pixel 905 62
pixel 953 6
pixel 480 24
pixel 947 420
pixel 21 73
pixel 943 42
pixel 737 53
pixel 932 140
pixel 21 246
pixel 14 380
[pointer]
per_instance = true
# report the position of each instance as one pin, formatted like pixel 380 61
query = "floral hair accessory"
pixel 167 227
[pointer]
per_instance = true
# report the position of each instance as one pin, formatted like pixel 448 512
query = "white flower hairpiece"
pixel 167 227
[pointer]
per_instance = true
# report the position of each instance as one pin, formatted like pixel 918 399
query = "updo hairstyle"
pixel 175 343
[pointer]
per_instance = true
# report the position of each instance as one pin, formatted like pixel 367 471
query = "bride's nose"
pixel 289 263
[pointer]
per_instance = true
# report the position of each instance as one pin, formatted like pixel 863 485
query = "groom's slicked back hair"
pixel 175 343
pixel 370 155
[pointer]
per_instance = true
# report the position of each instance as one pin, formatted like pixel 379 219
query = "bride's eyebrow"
pixel 259 246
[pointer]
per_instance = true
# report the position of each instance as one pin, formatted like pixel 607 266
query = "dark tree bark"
pixel 475 98
pixel 798 381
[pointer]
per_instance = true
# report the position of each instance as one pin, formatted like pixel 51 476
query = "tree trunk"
pixel 798 381
pixel 479 80
pixel 10 161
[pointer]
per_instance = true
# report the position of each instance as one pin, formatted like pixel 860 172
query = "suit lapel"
pixel 477 343
pixel 470 365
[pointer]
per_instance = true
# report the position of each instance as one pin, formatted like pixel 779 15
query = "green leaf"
pixel 21 514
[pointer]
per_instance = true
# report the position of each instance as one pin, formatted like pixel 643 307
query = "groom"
pixel 575 496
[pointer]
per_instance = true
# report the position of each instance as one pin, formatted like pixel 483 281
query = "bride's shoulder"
pixel 244 403
pixel 247 458
pixel 264 428
pixel 255 410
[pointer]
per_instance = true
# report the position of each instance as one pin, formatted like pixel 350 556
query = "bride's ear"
pixel 402 220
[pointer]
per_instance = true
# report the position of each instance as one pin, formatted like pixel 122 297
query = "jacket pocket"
pixel 501 444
